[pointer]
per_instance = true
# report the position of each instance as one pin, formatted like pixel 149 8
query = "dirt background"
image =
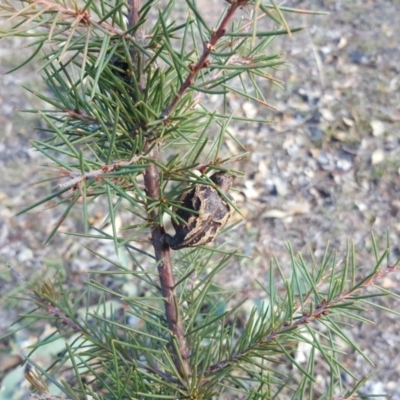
pixel 326 170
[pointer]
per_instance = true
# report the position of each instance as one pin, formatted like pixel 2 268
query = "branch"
pixel 46 396
pixel 203 61
pixel 44 297
pixel 162 252
pixel 134 7
pixel 76 178
pixel 165 272
pixel 240 60
pixel 82 17
pixel 319 312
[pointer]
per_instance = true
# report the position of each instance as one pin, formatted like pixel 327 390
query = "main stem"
pixel 162 252
pixel 134 7
pixel 167 280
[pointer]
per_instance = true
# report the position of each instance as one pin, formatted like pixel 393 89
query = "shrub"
pixel 131 123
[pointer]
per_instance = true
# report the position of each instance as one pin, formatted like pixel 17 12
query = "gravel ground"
pixel 327 169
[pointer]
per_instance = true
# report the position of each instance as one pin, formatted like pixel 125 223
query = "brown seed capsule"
pixel 206 213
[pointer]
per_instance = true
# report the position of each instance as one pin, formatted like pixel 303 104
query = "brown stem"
pixel 203 60
pixel 162 252
pixel 133 12
pixel 167 280
pixel 134 7
pixel 319 312
pixel 83 17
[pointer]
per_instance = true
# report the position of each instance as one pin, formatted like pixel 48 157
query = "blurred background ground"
pixel 326 170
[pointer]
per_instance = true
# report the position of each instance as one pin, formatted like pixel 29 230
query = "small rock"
pixel 25 255
pixel 378 127
pixel 344 164
pixel 342 43
pixel 361 206
pixel 3 196
pixel 358 57
pixel 344 160
pixel 316 134
pixel 275 214
pixel 348 121
pixel 388 283
pixel 341 136
pixel 315 152
pixel 280 186
pixel 396 204
pixel 327 115
pixel 297 207
pixel 270 186
pixel 249 191
pixel 249 109
pixel 325 160
pixel 377 156
pixel 304 349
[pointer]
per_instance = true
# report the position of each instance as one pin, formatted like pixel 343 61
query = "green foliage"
pixel 128 358
pixel 127 122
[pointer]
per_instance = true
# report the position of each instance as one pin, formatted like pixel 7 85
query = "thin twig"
pixel 75 178
pixel 238 60
pixel 46 396
pixel 83 18
pixel 203 61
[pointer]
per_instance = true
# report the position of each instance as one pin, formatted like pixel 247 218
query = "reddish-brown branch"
pixel 203 60
pixel 46 396
pixel 133 12
pixel 76 178
pixel 319 312
pixel 167 280
pixel 43 298
pixel 134 7
pixel 162 252
pixel 82 17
